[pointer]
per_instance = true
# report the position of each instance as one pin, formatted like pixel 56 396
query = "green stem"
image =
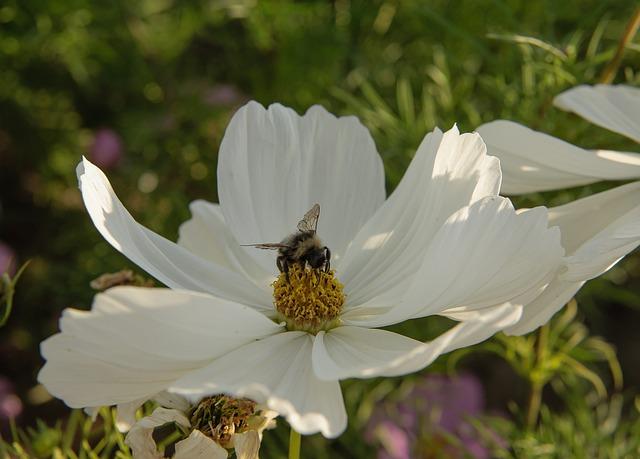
pixel 7 290
pixel 533 407
pixel 294 444
pixel 611 69
pixel 536 378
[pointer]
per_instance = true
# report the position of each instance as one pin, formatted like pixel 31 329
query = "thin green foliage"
pixel 79 437
pixel 588 427
pixel 568 352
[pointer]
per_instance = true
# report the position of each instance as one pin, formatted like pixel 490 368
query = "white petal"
pixel 92 412
pixel 247 445
pixel 449 172
pixel 126 414
pixel 175 401
pixel 347 352
pixel 356 352
pixel 207 235
pixel 199 446
pixel 162 416
pixel 140 438
pixel 278 372
pixel 135 342
pixel 598 230
pixel 616 108
pixel 274 165
pixel 483 255
pixel 532 161
pixel 171 264
pixel 540 310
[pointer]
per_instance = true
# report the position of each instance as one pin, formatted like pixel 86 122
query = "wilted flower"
pixel 433 420
pixel 597 231
pixel 7 260
pixel 444 243
pixel 208 430
pixel 106 150
pixel 124 277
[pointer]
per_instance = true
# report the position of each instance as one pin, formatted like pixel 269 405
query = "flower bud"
pixel 7 260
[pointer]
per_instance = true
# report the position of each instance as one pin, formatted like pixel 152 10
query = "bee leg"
pixel 283 266
pixel 280 264
pixel 327 263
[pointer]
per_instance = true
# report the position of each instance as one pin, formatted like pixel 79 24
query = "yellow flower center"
pixel 308 299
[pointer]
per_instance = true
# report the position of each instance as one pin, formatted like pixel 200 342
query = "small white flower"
pixel 444 243
pixel 223 423
pixel 597 231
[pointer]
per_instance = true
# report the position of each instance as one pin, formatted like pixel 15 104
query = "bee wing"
pixel 310 220
pixel 267 245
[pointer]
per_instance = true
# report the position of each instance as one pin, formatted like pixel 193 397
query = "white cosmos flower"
pixel 597 231
pixel 220 416
pixel 443 243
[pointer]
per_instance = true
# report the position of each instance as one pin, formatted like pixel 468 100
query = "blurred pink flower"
pixel 10 404
pixel 7 259
pixel 107 149
pixel 223 95
pixel 421 424
pixel 395 441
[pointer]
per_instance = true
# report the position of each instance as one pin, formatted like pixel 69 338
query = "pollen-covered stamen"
pixel 308 299
pixel 220 417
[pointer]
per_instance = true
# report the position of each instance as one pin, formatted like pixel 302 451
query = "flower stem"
pixel 611 69
pixel 533 407
pixel 294 444
pixel 536 378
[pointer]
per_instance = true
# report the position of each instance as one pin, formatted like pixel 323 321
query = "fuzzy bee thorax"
pixel 305 243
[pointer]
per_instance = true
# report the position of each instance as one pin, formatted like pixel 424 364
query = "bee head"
pixel 317 258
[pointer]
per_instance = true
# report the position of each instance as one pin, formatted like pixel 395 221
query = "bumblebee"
pixel 303 247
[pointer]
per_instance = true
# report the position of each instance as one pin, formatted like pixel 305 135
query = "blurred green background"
pixel 146 88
